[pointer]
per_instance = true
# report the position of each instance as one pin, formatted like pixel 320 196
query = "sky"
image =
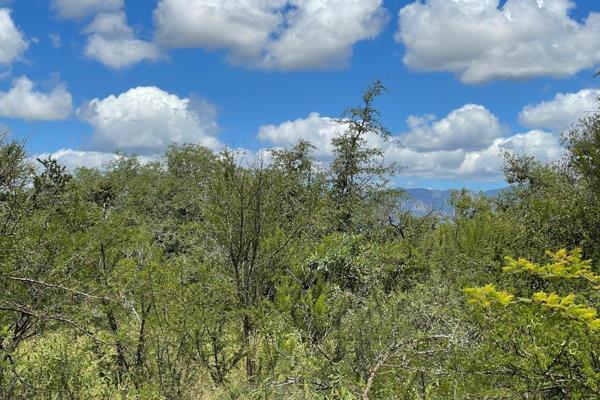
pixel 467 79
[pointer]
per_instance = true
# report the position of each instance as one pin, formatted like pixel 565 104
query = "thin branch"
pixel 57 318
pixel 54 286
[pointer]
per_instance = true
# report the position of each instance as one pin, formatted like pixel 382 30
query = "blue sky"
pixel 467 79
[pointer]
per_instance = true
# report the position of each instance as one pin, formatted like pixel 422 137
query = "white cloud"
pixel 480 165
pixel 480 41
pixel 242 27
pixel 321 33
pixel 76 9
pixel 488 163
pixel 73 159
pixel 314 128
pixel 147 119
pixel 433 164
pixel 55 40
pixel 111 40
pixel 22 101
pixel 561 112
pixel 471 127
pixel 275 34
pixel 12 41
pixel 466 144
pixel 113 43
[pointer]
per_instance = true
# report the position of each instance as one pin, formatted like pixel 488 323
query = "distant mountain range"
pixel 425 200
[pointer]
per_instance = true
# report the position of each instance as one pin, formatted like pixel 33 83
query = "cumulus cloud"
pixel 12 41
pixel 487 163
pixel 482 165
pixel 481 41
pixel 113 43
pixel 146 120
pixel 274 34
pixel 22 101
pixel 468 143
pixel 74 159
pixel 316 129
pixel 76 9
pixel 471 127
pixel 561 112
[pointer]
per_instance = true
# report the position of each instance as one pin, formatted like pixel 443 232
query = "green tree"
pixel 358 172
pixel 561 329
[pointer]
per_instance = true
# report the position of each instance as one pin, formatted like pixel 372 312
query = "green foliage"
pixel 580 320
pixel 359 175
pixel 487 295
pixel 564 265
pixel 567 307
pixel 206 276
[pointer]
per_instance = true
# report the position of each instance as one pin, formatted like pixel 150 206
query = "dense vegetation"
pixel 207 276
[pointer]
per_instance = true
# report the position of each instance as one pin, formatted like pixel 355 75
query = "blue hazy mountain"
pixel 422 200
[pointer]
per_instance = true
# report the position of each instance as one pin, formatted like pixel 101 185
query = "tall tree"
pixel 358 172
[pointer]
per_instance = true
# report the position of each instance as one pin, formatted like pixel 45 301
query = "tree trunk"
pixel 250 361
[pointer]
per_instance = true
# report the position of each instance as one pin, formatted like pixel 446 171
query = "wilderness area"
pixel 299 199
pixel 205 275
